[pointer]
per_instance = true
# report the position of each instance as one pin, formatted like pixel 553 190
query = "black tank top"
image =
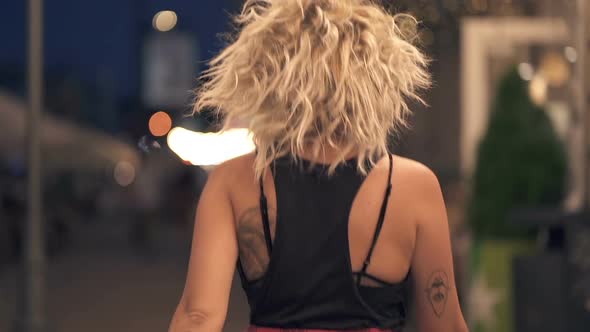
pixel 309 282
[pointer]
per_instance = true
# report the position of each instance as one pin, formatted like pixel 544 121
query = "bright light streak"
pixel 208 149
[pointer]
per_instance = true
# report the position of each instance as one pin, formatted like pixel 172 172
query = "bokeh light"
pixel 571 54
pixel 160 124
pixel 148 144
pixel 165 20
pixel 526 71
pixel 555 69
pixel 538 90
pixel 124 173
pixel 408 27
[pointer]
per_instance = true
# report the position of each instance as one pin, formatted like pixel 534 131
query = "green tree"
pixel 521 163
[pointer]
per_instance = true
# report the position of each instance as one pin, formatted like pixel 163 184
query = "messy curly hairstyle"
pixel 306 74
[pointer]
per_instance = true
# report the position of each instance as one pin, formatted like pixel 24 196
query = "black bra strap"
pixel 363 272
pixel 264 215
pixel 373 278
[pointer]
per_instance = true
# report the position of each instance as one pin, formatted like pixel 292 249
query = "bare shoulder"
pixel 233 171
pixel 415 174
pixel 416 185
pixel 236 164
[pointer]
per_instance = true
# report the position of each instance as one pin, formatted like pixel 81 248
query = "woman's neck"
pixel 326 155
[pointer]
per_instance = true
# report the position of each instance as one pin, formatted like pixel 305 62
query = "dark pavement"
pixel 100 283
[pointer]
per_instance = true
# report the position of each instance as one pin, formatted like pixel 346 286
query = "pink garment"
pixel 253 328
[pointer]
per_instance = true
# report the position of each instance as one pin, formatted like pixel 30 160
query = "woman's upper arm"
pixel 214 252
pixel 437 304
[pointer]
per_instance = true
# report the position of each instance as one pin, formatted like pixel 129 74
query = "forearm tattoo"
pixel 438 291
pixel 252 244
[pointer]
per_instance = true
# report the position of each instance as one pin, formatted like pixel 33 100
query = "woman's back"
pixel 326 226
pixel 392 255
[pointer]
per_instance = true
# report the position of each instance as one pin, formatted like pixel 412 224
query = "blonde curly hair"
pixel 306 74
